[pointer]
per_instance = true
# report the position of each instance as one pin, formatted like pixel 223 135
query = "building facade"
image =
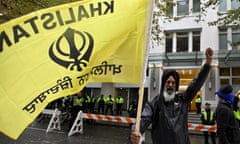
pixel 182 48
pixel 184 42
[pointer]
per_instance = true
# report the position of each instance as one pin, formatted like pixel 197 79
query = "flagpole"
pixel 141 89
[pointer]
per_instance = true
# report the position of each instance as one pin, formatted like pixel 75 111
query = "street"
pixel 93 134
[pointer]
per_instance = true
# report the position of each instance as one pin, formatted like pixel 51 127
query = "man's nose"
pixel 170 85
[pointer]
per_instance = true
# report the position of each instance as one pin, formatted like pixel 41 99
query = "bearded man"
pixel 168 111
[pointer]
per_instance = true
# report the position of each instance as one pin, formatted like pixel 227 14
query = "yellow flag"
pixel 55 52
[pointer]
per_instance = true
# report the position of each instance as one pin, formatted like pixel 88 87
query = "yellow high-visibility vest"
pixel 120 100
pixel 205 115
pixel 198 100
pixel 237 114
pixel 78 102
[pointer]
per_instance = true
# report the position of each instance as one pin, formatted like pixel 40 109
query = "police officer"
pixel 92 104
pixel 86 103
pixel 236 109
pixel 198 102
pixel 208 118
pixel 237 115
pixel 119 103
pixel 77 106
pixel 109 101
pixel 132 110
pixel 101 104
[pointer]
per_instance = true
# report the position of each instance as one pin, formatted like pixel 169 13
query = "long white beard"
pixel 168 94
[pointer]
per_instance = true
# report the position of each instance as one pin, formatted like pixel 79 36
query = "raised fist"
pixel 209 54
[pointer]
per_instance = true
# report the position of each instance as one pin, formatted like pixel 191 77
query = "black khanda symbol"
pixel 75 57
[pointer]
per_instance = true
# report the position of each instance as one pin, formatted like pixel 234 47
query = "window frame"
pixel 182 36
pixel 196 34
pixel 234 3
pixel 168 36
pixel 225 6
pixel 187 9
pixel 229 77
pixel 223 32
pixel 198 10
pixel 237 42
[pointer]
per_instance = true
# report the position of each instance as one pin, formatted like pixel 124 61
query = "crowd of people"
pixel 105 105
pixel 90 104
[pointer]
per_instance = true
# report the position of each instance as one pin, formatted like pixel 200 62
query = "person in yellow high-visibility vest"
pixel 101 104
pixel 77 106
pixel 198 102
pixel 109 101
pixel 119 103
pixel 92 104
pixel 237 115
pixel 208 118
pixel 86 103
pixel 236 109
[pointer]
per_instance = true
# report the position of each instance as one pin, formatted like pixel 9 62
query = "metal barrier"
pixel 54 123
pixel 77 127
pixel 78 123
pixel 201 127
pixel 109 118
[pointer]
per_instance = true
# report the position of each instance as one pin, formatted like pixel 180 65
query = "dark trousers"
pixel 119 109
pixel 198 105
pixel 238 123
pixel 101 108
pixel 74 114
pixel 91 107
pixel 213 137
pixel 109 107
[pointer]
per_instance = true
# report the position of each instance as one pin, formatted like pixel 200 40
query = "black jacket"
pixel 169 120
pixel 227 126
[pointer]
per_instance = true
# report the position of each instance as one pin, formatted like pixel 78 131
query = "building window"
pixel 169 5
pixel 169 42
pixel 223 39
pixel 224 81
pixel 196 6
pixel 235 39
pixel 236 81
pixel 224 72
pixel 182 42
pixel 222 6
pixel 235 71
pixel 179 41
pixel 230 76
pixel 196 41
pixel 235 4
pixel 182 8
pixel 170 12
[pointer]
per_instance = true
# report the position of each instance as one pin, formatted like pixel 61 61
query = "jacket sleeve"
pixel 222 119
pixel 146 118
pixel 197 83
